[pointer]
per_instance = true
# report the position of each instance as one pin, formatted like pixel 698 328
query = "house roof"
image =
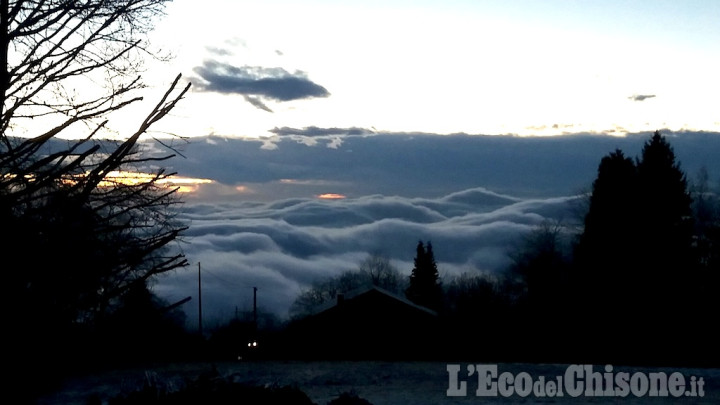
pixel 350 295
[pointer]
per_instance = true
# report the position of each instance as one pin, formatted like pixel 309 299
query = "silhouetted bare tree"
pixel 706 208
pixel 382 273
pixel 375 270
pixel 85 220
pixel 541 266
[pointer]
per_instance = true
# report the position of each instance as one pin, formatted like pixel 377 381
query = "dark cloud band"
pixel 641 97
pixel 257 82
pixel 318 131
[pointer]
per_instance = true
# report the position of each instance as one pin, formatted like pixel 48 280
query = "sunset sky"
pixel 285 93
pixel 318 132
pixel 478 67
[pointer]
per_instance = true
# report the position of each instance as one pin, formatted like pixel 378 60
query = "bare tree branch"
pixel 98 229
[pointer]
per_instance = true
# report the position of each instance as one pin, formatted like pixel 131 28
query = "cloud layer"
pixel 283 246
pixel 260 224
pixel 354 162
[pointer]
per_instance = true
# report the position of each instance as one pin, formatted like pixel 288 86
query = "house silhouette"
pixel 366 324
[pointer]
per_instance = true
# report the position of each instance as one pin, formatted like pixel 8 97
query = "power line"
pixel 232 283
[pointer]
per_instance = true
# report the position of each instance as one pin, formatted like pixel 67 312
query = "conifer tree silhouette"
pixel 665 225
pixel 425 288
pixel 634 259
pixel 606 253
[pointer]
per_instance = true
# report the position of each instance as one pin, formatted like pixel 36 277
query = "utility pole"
pixel 255 307
pixel 200 322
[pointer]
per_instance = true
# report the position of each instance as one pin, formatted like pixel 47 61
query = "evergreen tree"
pixel 638 234
pixel 665 242
pixel 425 288
pixel 606 253
pixel 666 221
pixel 635 257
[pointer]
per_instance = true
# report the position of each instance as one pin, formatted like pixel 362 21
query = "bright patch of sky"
pixel 490 67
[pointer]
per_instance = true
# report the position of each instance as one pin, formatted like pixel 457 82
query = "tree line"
pixel 642 273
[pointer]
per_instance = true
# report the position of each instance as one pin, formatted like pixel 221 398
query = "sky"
pixel 325 131
pixel 477 67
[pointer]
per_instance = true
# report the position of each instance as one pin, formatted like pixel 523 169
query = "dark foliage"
pixel 640 287
pixel 125 331
pixel 542 267
pixel 636 263
pixel 375 270
pixel 706 209
pixel 80 243
pixel 425 288
pixel 665 224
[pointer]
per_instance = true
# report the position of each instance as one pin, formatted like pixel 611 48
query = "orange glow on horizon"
pixel 115 178
pixel 183 184
pixel 119 177
pixel 331 196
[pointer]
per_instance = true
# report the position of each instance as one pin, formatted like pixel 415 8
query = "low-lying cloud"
pixel 283 246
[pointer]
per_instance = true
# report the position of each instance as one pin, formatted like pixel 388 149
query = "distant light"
pixel 331 196
pixel 184 184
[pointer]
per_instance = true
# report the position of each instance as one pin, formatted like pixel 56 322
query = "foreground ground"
pixel 378 382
